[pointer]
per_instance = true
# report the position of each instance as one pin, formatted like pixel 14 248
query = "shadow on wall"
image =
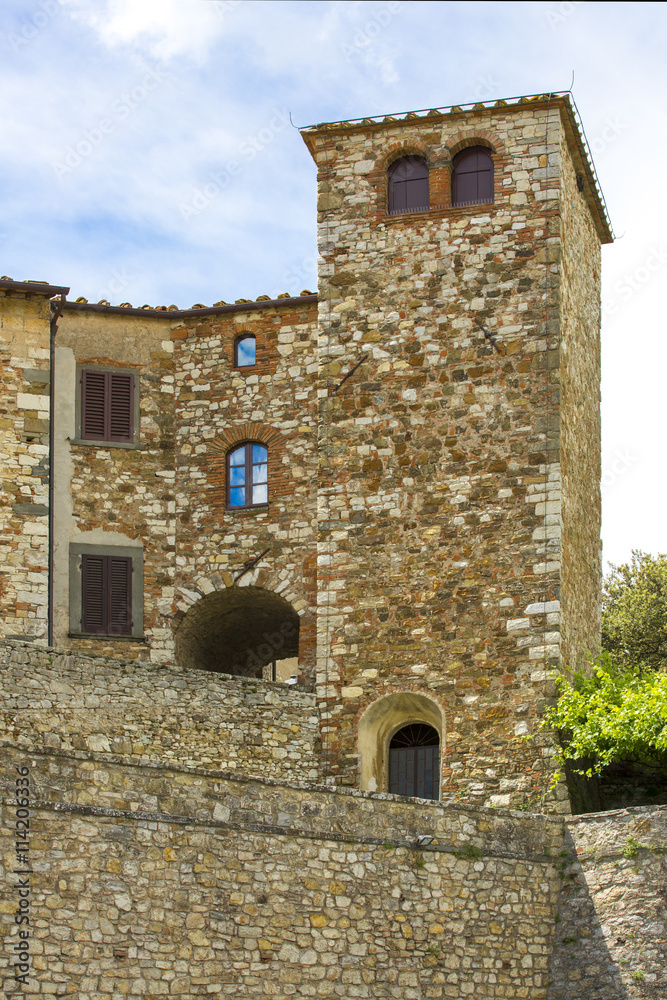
pixel 610 940
pixel 238 631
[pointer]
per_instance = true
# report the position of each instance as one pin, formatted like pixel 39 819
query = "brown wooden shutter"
pixel 107 406
pixel 120 393
pixel 120 596
pixel 92 593
pixel 106 595
pixel 93 405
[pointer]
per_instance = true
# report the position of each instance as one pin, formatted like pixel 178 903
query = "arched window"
pixel 247 476
pixel 414 769
pixel 408 185
pixel 245 351
pixel 472 176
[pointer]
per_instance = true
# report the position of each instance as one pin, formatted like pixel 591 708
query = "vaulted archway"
pixel 238 631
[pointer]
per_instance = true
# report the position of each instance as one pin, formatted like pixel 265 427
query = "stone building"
pixel 424 544
pixel 385 494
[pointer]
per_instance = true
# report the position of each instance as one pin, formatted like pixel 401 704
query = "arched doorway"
pixel 414 761
pixel 238 631
pixel 382 721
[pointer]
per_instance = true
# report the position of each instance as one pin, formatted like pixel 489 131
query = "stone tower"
pixel 459 554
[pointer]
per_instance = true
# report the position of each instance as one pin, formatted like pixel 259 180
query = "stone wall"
pixel 580 428
pixel 24 451
pixel 218 406
pixel 166 881
pixel 147 712
pixel 611 934
pixel 113 495
pixel 439 459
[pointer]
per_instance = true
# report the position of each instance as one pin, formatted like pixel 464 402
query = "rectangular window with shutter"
pixel 108 405
pixel 106 591
pixel 106 594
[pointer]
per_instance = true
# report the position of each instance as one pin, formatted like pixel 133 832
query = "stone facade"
pixel 441 460
pixel 433 413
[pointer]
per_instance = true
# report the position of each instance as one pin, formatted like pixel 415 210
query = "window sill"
pixel 127 445
pixel 106 638
pixel 441 212
pixel 259 509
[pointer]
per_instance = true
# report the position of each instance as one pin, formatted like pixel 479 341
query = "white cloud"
pixel 164 29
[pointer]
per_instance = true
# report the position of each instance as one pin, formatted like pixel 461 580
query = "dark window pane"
pixel 245 350
pixel 472 177
pixel 408 185
pixel 414 762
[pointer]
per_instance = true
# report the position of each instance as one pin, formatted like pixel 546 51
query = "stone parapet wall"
pixel 148 712
pixel 158 881
pixel 610 940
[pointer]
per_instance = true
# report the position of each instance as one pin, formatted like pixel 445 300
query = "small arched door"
pixel 414 761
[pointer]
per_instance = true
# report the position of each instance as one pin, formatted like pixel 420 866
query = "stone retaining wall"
pixel 150 712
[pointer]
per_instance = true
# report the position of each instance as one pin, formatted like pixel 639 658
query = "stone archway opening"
pixel 238 631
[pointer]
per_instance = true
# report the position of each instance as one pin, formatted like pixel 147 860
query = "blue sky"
pixel 148 156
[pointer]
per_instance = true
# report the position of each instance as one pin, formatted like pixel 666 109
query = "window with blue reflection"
pixel 245 351
pixel 248 476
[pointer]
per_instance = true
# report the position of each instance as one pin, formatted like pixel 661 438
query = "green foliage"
pixel 614 713
pixel 468 851
pixel 634 612
pixel 632 847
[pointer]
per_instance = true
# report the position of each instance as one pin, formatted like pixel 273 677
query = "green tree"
pixel 634 612
pixel 617 710
pixel 613 713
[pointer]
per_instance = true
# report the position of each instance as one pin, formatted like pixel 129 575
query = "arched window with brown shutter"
pixel 472 176
pixel 408 185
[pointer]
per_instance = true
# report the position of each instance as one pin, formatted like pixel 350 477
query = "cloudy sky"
pixel 148 155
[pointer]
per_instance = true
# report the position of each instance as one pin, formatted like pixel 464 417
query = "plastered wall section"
pixel 580 424
pixel 440 456
pixel 149 713
pixel 218 407
pixel 158 881
pixel 24 450
pixel 110 495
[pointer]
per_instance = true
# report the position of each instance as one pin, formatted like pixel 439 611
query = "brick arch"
pixel 475 137
pixel 262 574
pixel 252 430
pixel 407 147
